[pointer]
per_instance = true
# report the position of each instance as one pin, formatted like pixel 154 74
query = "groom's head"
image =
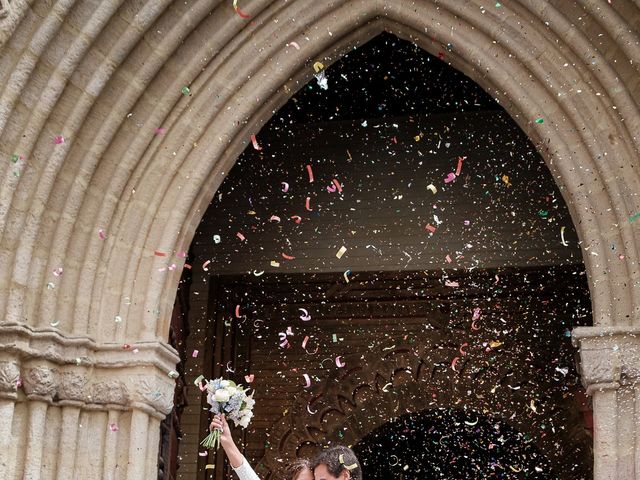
pixel 337 463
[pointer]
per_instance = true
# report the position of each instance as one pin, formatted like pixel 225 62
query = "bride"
pixel 300 470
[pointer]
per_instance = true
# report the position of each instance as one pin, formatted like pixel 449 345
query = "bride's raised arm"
pixel 236 459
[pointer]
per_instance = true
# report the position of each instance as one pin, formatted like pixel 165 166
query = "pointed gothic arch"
pixel 106 76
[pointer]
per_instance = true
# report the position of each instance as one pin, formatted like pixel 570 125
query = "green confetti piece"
pixel 335 338
pixel 633 218
pixel 543 213
pixel 540 120
pixel 15 158
pixel 185 90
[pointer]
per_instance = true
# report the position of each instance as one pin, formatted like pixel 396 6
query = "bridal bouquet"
pixel 225 397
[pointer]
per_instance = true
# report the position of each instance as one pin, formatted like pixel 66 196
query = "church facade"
pixel 120 120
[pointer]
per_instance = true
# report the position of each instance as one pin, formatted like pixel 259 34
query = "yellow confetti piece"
pixel 209 466
pixel 318 66
pixel 341 252
pixel 348 467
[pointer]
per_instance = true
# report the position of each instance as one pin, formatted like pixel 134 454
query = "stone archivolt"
pixel 102 76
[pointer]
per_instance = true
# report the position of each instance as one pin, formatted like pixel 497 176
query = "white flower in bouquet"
pixel 225 397
pixel 221 395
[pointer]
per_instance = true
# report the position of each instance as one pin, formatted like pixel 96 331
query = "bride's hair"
pixel 296 467
pixel 337 459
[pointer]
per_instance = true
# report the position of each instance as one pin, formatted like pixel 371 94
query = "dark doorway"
pixel 450 444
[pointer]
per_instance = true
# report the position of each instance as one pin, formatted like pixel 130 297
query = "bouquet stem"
pixel 212 441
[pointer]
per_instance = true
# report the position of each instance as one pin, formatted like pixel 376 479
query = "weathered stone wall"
pixel 118 200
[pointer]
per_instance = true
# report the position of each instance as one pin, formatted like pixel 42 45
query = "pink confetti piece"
pixel 181 254
pixel 449 283
pixel 294 44
pixel 187 266
pixel 310 172
pixel 205 265
pixel 288 257
pixel 453 363
pixel 101 234
pixel 296 218
pixel 283 339
pixel 289 330
pixel 462 348
pixel 467 223
pixel 58 271
pixel 172 267
pixel 331 188
pixel 339 362
pixel 307 204
pixel 450 178
pixel 58 140
pixel 158 253
pixel 305 317
pixel 274 218
pixel 238 11
pixel 304 342
pixel 240 236
pixel 337 184
pixel 285 187
pixel 459 167
pixel 448 259
pixel 238 315
pixel 195 353
pixel 160 131
pixel 430 228
pixel 254 141
pixel 113 427
pixel 203 454
pixel 307 380
pixel 476 313
pixel 249 378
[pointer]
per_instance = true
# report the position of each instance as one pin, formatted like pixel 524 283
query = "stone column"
pixel 71 408
pixel 610 371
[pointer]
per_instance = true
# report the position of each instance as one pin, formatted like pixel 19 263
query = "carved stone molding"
pixel 156 394
pixel 609 356
pixel 9 378
pixel 109 392
pixel 72 386
pixel 40 381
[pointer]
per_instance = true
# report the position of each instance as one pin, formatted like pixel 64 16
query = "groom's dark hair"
pixel 337 459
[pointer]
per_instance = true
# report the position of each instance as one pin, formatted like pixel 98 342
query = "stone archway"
pixel 111 167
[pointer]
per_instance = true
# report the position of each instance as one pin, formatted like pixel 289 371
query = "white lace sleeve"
pixel 245 472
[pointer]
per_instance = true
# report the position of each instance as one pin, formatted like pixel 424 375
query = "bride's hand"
pixel 220 422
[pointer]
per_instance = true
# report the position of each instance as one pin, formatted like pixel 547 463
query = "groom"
pixel 337 463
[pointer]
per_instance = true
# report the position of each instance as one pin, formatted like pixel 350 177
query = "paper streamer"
pixel 307 204
pixel 459 167
pixel 339 362
pixel 307 380
pixel 310 172
pixel 254 141
pixel 305 317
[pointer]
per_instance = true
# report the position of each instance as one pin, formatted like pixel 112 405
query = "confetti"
pixel 305 317
pixel 238 11
pixel 339 362
pixel 194 354
pixel 341 252
pixel 294 44
pixel 59 140
pixel 285 187
pixel 185 90
pixel 310 172
pixel 249 378
pixel 254 142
